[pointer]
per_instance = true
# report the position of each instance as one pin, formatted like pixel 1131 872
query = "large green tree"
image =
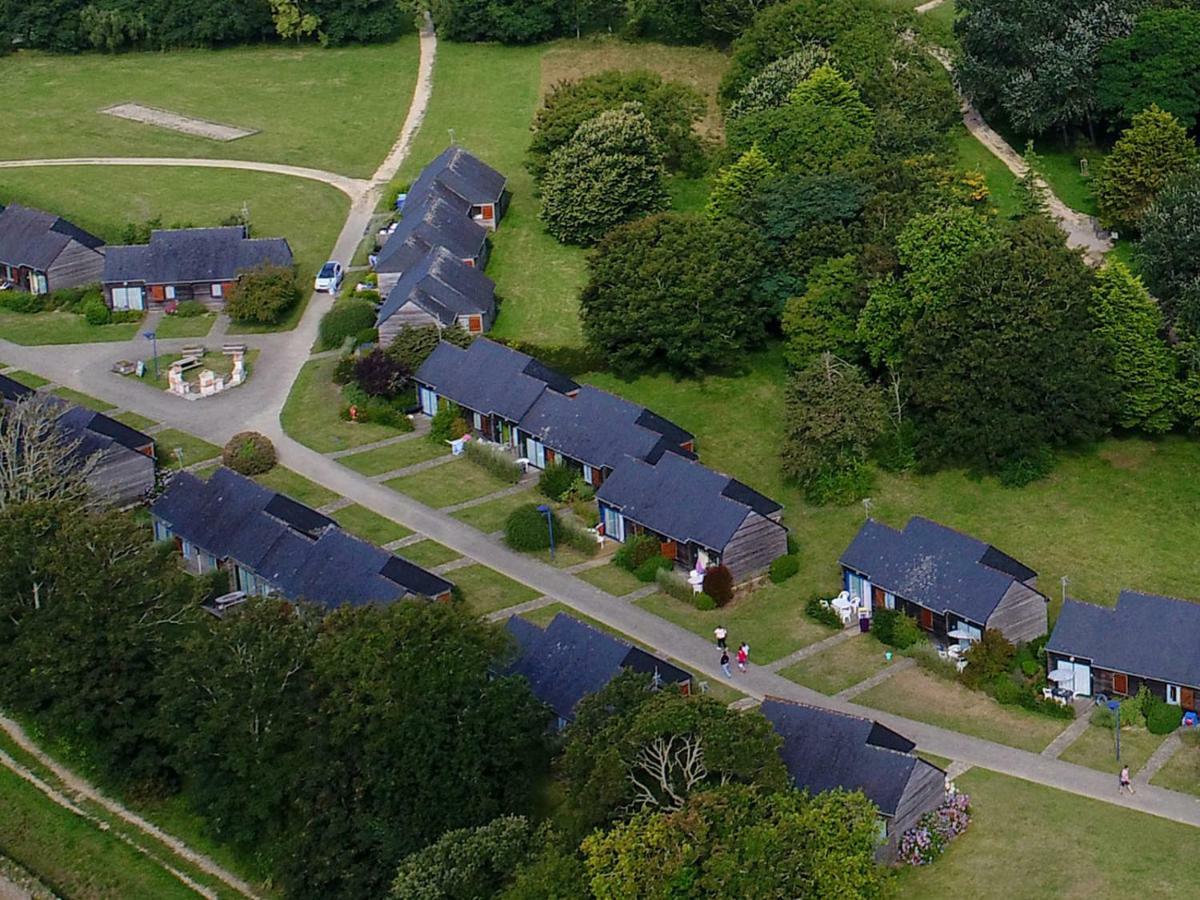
pixel 506 21
pixel 1130 324
pixel 610 171
pixel 466 863
pixel 679 291
pixel 1157 64
pixel 1169 252
pixel 824 318
pixel 741 189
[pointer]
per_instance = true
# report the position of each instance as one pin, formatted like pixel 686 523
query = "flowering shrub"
pixel 928 840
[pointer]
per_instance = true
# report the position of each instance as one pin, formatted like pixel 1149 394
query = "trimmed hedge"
pixel 525 529
pixel 189 309
pixel 635 551
pixel 784 568
pixel 1163 718
pixel 96 312
pixel 249 453
pixel 346 319
pixel 704 603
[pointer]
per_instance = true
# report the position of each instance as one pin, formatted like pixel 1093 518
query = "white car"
pixel 329 279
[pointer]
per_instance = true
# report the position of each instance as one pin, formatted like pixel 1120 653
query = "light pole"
pixel 1115 706
pixel 549 514
pixel 152 337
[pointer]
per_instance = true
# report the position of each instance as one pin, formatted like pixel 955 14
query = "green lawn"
pixel 296 486
pixel 839 667
pixel 194 449
pixel 1121 515
pixel 337 109
pixel 133 420
pixel 937 25
pixel 441 486
pixel 184 327
pixel 393 456
pixel 370 525
pixel 918 695
pixel 490 516
pixel 428 553
pixel 1037 843
pixel 771 620
pixel 28 378
pixel 71 855
pixel 1060 168
pixel 79 398
pixel 217 362
pixel 974 157
pixel 311 413
pixel 1182 771
pixel 56 327
pixel 486 591
pixel 611 579
pixel 1096 749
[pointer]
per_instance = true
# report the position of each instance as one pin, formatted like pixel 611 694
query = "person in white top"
pixel 720 633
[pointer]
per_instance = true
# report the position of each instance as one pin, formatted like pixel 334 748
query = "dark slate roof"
pixel 297 549
pixel 570 660
pixel 118 431
pixel 30 237
pixel 489 378
pixel 1144 634
pixel 458 173
pixel 436 222
pixel 680 498
pixel 442 285
pixel 824 750
pixel 187 255
pixel 11 389
pixel 598 428
pixel 937 567
pixel 95 431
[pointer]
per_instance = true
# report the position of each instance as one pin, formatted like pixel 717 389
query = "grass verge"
pixel 486 590
pixel 369 525
pixel 193 449
pixel 296 486
pixel 311 413
pixel 79 398
pixel 455 482
pixel 393 456
pixel 839 667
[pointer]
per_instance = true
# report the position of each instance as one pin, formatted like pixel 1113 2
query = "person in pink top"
pixel 743 656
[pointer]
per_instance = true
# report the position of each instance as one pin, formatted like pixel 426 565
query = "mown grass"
pixel 491 516
pixel 972 156
pixel 55 327
pixel 394 456
pixel 296 486
pixel 1182 771
pixel 311 413
pixel 194 449
pixel 1096 749
pixel 837 668
pixel 79 398
pixel 338 109
pixel 454 482
pixel 611 579
pixel 133 420
pixel 185 327
pixel 486 590
pixel 29 379
pixel 428 553
pixel 369 525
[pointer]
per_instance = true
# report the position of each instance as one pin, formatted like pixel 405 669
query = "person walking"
pixel 725 663
pixel 1126 781
pixel 720 634
pixel 743 657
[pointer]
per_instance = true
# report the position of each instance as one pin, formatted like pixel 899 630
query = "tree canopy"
pixel 1169 251
pixel 1157 64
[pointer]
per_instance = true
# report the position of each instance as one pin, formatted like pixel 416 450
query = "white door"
pixel 1083 678
pixel 614 524
pixel 536 453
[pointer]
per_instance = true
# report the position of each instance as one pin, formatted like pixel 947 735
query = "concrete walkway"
pixel 812 649
pixel 1069 735
pixel 1159 758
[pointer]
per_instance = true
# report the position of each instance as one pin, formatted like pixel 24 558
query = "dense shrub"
pixel 928 839
pixel 570 534
pixel 1002 688
pixel 896 629
pixel 570 360
pixel 492 460
pixel 412 346
pixel 377 410
pixel 21 302
pixel 263 294
pixel 556 480
pixel 343 369
pixel 989 657
pixel 784 567
pixel 125 315
pixel 71 299
pixel 817 610
pixel 648 571
pixel 703 602
pixel 673 584
pixel 345 320
pixel 379 375
pixel 635 551
pixel 96 312
pixel 526 529
pixel 718 584
pixel 1163 718
pixel 447 424
pixel 189 309
pixel 249 453
pixel 367 336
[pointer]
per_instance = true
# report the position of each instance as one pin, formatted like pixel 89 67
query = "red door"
pixel 878 597
pixel 927 619
pixel 1187 699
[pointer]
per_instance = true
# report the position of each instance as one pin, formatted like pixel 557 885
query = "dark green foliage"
pixel 263 294
pixel 636 550
pixel 609 172
pixel 676 291
pixel 497 462
pixel 555 873
pixel 412 346
pixel 249 453
pixel 379 410
pixel 447 423
pixel 367 336
pixel 343 369
pixel 718 584
pixel 556 481
pixel 527 530
pixel 1155 64
pixel 361 21
pixel 819 610
pixel 648 571
pixel 572 361
pixel 466 863
pixel 1169 252
pixel 22 302
pixel 379 374
pixel 96 312
pixel 824 319
pixel 990 656
pixel 894 628
pixel 189 309
pixel 784 567
pixel 1026 467
pixel 1163 718
pixel 670 107
pixel 703 602
pixel 345 320
pixel 506 21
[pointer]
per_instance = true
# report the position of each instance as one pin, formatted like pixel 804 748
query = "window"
pixel 536 453
pixel 1173 694
pixel 587 473
pixel 187 549
pixel 217 290
pixel 170 289
pixel 161 531
pixel 127 298
pixel 477 421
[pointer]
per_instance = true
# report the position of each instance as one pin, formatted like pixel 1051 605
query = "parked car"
pixel 329 279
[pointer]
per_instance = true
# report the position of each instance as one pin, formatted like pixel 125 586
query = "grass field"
pixel 442 486
pixel 56 327
pixel 133 420
pixel 485 590
pixel 370 525
pixel 310 414
pixel 840 666
pixel 337 109
pixel 194 449
pixel 296 486
pixel 394 456
pixel 611 579
pixel 917 695
pixel 1096 749
pixel 29 379
pixel 1036 843
pixel 79 398
pixel 1182 771
pixel 428 553
pixel 490 516
pixel 181 327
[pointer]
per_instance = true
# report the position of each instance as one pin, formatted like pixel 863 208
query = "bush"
pixel 71 299
pixel 494 461
pixel 674 585
pixel 1026 469
pixel 1004 689
pixel 1102 717
pixel 635 551
pixel 345 320
pixel 586 511
pixel 569 534
pixel 21 302
pixel 556 480
pixel 96 312
pixel 379 375
pixel 367 336
pixel 927 658
pixel 896 629
pixel 648 571
pixel 378 410
pixel 817 610
pixel 190 309
pixel 249 453
pixel 987 658
pixel 1029 667
pixel 263 294
pixel 703 602
pixel 570 360
pixel 718 584
pixel 525 529
pixel 125 315
pixel 447 424
pixel 412 346
pixel 783 568
pixel 343 369
pixel 1163 718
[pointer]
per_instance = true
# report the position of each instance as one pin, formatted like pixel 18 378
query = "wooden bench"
pixel 196 350
pixel 230 349
pixel 187 362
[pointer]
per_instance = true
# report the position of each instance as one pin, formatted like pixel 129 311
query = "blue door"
pixel 614 523
pixel 428 401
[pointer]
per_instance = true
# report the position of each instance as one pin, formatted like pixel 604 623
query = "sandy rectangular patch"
pixel 161 118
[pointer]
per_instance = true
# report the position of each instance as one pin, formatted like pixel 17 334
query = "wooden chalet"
pixel 186 264
pixel 948 581
pixel 825 750
pixel 41 252
pixel 434 222
pixel 465 182
pixel 1145 639
pixel 273 545
pixel 442 291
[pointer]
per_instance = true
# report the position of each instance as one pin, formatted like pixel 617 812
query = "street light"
pixel 152 337
pixel 549 514
pixel 1115 706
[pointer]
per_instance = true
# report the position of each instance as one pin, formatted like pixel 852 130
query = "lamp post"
pixel 549 514
pixel 1115 706
pixel 152 337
